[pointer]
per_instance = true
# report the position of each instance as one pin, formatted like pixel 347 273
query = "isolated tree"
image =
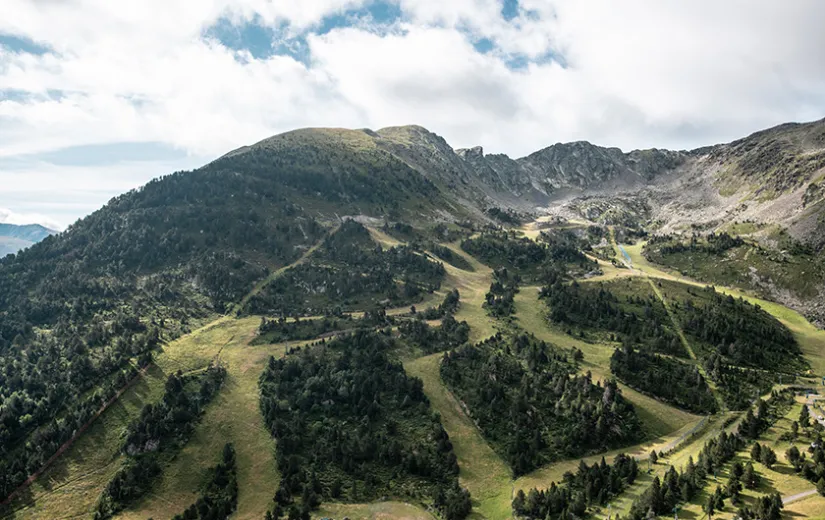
pixel 794 458
pixel 750 478
pixel 710 506
pixel 804 417
pixel 654 457
pixel 756 452
pixel 768 457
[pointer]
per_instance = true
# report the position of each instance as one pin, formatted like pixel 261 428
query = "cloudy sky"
pixel 98 96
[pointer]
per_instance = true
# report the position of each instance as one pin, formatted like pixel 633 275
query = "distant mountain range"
pixel 14 237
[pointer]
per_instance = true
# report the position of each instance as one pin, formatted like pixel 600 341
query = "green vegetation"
pixel 683 486
pixel 428 340
pixel 628 308
pixel 297 329
pixel 528 404
pixel 350 272
pixel 590 485
pixel 448 255
pixel 396 448
pixel 723 259
pixel 220 498
pixel 735 340
pixel 670 380
pixel 159 431
pixel 741 333
pixel 533 261
pixel 499 299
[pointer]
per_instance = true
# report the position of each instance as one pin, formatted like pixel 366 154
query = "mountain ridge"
pixel 14 237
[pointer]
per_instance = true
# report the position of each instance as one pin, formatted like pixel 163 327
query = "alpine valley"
pixel 365 324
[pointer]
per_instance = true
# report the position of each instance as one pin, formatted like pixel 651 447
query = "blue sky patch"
pixel 98 154
pixel 510 9
pixel 22 44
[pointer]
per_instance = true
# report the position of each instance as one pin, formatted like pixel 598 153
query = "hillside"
pixel 14 237
pixel 399 302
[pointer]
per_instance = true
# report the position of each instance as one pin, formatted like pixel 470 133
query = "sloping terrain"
pixel 13 237
pixel 390 231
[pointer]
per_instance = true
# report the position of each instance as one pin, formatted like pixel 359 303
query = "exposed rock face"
pixel 773 176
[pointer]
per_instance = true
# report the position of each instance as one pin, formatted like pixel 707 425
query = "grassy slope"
pixel 811 339
pixel 482 471
pixel 72 486
pixel 664 424
pixel 780 478
pixel 232 417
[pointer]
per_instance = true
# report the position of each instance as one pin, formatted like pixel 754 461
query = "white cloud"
pixel 8 216
pixel 638 74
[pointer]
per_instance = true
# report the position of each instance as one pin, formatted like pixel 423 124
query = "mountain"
pixel 14 237
pixel 272 234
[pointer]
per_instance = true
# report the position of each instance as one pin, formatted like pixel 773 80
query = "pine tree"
pixel 756 452
pixel 804 417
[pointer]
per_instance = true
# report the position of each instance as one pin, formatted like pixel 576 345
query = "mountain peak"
pixel 475 151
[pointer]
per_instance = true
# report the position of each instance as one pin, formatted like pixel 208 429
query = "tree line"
pixel 666 379
pixel 161 429
pixel 220 497
pixel 590 485
pixel 350 272
pixel 352 426
pixel 527 401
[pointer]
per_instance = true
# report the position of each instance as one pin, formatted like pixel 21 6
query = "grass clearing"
pixel 72 486
pixel 373 511
pixel 232 417
pixel 810 338
pixel 473 287
pixel 481 470
pixel 780 478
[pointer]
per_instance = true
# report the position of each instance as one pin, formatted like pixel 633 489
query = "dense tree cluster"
pixel 161 428
pixel 352 426
pixel 715 243
pixel 639 317
pixel 528 403
pixel 565 247
pixel 500 299
pixel 450 334
pixel 505 216
pixel 590 485
pixel 767 507
pixel 447 307
pixel 740 386
pixel 220 498
pixel 739 331
pixel 533 261
pixel 172 419
pixel 350 272
pixel 667 379
pixel 506 249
